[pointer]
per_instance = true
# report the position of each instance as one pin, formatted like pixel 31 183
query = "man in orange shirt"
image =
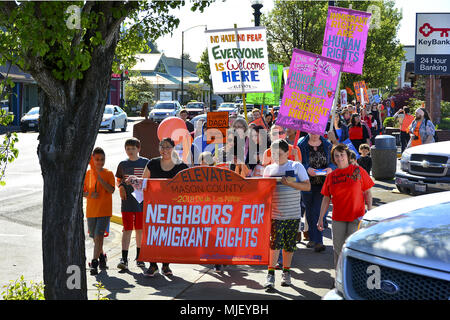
pixel 98 189
pixel 405 120
pixel 421 130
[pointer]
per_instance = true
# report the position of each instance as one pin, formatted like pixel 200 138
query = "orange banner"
pixel 207 215
pixel 217 124
pixel 260 122
pixel 358 85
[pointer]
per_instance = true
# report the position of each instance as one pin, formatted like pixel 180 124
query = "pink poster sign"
pixel 309 92
pixel 346 37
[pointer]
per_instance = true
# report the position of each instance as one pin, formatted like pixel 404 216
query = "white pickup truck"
pixel 424 169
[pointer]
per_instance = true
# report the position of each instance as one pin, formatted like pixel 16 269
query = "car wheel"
pixel 124 126
pixel 113 127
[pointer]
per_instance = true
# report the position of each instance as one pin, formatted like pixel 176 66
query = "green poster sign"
pixel 271 99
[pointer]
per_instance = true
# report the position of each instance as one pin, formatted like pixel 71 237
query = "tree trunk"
pixel 66 141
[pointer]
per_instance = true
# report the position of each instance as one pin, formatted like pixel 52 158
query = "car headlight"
pixel 406 157
pixel 365 224
pixel 339 272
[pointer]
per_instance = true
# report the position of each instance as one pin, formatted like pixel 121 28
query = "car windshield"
pixel 195 106
pixel 165 106
pixel 228 105
pixel 109 110
pixel 33 111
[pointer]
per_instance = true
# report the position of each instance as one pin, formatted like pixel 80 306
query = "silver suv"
pixel 164 109
pixel 401 252
pixel 424 169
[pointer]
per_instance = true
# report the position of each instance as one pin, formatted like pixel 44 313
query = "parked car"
pixel 424 169
pixel 400 252
pixel 249 107
pixel 195 109
pixel 30 120
pixel 113 118
pixel 197 118
pixel 230 107
pixel 164 109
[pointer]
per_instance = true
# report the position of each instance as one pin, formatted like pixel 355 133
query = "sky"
pixel 223 15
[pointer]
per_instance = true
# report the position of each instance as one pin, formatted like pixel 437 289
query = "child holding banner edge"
pixel 286 209
pixel 131 209
pixel 98 189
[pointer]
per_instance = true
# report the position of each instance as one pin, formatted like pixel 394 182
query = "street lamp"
pixel 182 58
pixel 257 5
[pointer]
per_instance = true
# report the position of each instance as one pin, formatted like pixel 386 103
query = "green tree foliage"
pixel 8 151
pixel 301 24
pixel 203 68
pixel 72 57
pixel 195 91
pixel 138 91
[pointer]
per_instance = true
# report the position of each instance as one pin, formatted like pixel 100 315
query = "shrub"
pixel 20 290
pixel 390 122
pixel 402 96
pixel 445 109
pixel 414 104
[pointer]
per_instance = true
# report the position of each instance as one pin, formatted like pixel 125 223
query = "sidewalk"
pixel 312 276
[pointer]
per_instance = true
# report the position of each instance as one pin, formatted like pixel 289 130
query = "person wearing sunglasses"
pixel 277 132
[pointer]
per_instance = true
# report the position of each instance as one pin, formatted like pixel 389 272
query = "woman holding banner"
pixel 258 143
pixel 348 187
pixel 166 166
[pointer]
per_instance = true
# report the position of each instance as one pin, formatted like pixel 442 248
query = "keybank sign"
pixel 432 44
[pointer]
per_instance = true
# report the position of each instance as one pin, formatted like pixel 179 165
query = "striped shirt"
pixel 286 200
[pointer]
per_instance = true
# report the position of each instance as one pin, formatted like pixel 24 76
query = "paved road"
pixel 20 236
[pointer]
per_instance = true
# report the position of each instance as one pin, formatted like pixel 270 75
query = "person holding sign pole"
pixel 165 167
pixel 285 209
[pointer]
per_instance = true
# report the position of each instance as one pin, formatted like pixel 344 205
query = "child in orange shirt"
pixel 98 189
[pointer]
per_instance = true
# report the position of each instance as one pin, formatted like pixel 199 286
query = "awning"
pixel 15 74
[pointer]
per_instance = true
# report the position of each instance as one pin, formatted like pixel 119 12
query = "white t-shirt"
pixel 286 200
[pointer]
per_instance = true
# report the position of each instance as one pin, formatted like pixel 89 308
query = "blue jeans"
pixel 313 201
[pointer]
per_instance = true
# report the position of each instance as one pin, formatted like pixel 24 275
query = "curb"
pixel 116 219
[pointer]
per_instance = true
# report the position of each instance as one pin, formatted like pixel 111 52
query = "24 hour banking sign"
pixel 432 43
pixel 238 60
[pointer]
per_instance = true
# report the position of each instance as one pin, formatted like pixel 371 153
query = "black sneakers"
pixel 123 264
pixel 94 265
pixel 151 271
pixel 102 261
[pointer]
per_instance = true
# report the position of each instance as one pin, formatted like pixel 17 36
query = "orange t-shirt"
pixel 102 206
pixel 417 142
pixel 268 155
pixel 346 187
pixel 407 120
